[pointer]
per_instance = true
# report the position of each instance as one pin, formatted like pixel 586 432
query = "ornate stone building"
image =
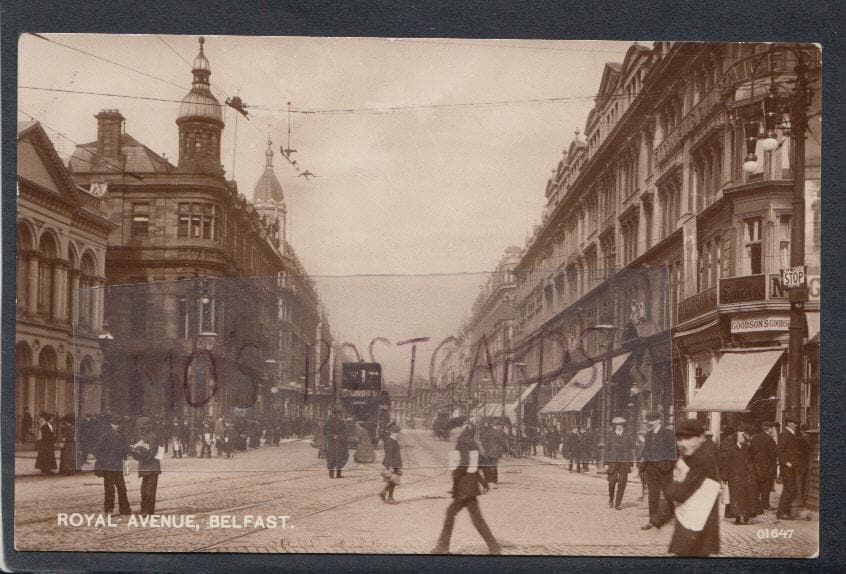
pixel 210 306
pixel 652 227
pixel 61 247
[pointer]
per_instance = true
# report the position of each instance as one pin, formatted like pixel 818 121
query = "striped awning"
pixel 584 385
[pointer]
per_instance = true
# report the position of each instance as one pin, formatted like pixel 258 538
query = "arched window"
pixel 48 251
pixel 24 246
pixel 84 377
pixel 45 381
pixel 23 365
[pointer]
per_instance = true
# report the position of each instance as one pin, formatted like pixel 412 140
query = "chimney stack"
pixel 109 124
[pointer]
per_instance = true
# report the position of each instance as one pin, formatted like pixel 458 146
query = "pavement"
pixel 538 508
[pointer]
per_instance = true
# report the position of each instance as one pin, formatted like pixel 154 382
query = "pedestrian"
pixel 583 449
pixel 493 445
pixel 337 452
pixel 206 440
pixel 67 456
pixel 765 461
pixel 466 481
pixel 789 459
pixel 532 433
pixel 639 442
pixel 228 439
pixel 45 444
pixel 570 448
pixel 26 426
pixel 737 469
pixel 364 452
pixel 392 462
pixel 175 441
pixel 620 456
pixel 111 451
pixel 554 438
pixel 185 439
pixel 659 455
pixel 695 489
pixel 218 435
pixel 146 452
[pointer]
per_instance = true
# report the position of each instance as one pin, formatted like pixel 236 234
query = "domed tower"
pixel 268 197
pixel 200 122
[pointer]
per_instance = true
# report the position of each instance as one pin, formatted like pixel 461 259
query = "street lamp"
pixel 793 124
pixel 607 385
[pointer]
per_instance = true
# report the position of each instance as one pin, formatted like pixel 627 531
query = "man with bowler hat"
pixel 659 455
pixel 111 450
pixel 620 457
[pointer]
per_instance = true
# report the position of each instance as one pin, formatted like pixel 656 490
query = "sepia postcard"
pixel 311 295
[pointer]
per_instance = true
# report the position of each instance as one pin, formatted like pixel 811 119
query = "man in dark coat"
pixel 583 450
pixel 789 458
pixel 45 444
pixel 737 469
pixel 26 425
pixel 337 452
pixel 659 455
pixel 465 489
pixel 620 457
pixel 695 473
pixel 765 460
pixel 111 450
pixel 392 461
pixel 149 467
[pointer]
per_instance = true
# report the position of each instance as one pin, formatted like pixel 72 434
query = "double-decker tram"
pixel 363 399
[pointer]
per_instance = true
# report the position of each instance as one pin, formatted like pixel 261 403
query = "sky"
pixel 441 188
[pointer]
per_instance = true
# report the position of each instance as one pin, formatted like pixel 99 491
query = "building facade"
pixel 652 227
pixel 210 306
pixel 62 231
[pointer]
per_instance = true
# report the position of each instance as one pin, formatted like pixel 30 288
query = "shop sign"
pixel 743 289
pixel 755 324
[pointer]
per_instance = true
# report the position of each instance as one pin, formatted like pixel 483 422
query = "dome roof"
pixel 200 102
pixel 268 187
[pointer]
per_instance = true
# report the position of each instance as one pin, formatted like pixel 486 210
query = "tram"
pixel 364 400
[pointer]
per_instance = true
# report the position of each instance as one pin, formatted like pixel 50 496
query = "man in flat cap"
pixel 620 457
pixel 694 490
pixel 659 455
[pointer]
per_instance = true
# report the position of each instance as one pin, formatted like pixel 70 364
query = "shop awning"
pixel 581 400
pixel 527 392
pixel 813 320
pixel 582 387
pixel 734 380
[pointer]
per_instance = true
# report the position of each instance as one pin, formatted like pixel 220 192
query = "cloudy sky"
pixel 423 169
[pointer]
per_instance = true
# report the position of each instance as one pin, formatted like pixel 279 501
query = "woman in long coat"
pixel 738 470
pixel 365 452
pixel 337 453
pixel 67 459
pixel 45 443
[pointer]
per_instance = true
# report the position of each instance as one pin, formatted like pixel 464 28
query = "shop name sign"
pixel 760 324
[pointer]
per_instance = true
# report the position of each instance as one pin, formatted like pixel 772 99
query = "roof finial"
pixel 202 41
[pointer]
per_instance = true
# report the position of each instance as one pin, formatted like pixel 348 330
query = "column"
pixel 98 299
pixel 32 287
pixel 691 384
pixel 60 293
pixel 73 312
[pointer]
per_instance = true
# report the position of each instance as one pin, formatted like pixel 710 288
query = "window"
pixel 752 233
pixel 198 221
pixel 182 318
pixel 784 240
pixel 207 322
pixel 140 219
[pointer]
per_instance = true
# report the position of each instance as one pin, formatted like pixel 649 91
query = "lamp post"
pixel 793 124
pixel 519 420
pixel 205 331
pixel 607 385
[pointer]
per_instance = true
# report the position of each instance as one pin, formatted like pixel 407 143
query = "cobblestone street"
pixel 537 508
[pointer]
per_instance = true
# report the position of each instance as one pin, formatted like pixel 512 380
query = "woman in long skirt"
pixel 365 452
pixel 67 459
pixel 45 443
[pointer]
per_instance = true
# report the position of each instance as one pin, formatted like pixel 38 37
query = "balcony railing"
pixel 698 304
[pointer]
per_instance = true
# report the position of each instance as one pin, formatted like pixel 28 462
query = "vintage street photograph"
pixel 313 295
